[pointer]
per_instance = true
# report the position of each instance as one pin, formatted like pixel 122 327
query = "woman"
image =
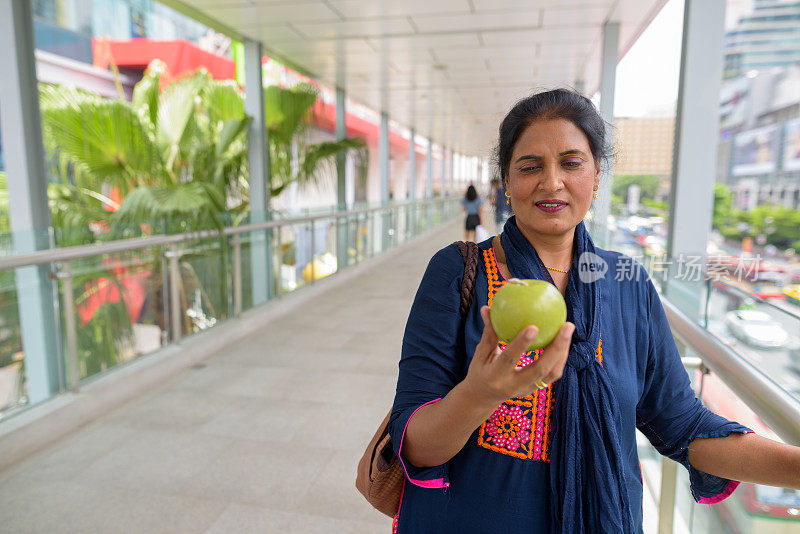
pixel 473 206
pixel 505 441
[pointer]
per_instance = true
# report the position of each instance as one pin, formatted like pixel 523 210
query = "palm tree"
pixel 10 331
pixel 292 158
pixel 177 158
pixel 173 155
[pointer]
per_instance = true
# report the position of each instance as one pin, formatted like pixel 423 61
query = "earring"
pixel 508 199
pixel 595 192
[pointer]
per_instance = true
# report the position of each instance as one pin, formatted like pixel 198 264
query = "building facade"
pixel 768 37
pixel 759 146
pixel 644 146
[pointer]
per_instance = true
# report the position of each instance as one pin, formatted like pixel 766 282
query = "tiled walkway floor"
pixel 263 438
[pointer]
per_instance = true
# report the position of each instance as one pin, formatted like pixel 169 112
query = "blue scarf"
pixel 587 482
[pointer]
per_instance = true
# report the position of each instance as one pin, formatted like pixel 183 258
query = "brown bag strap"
pixel 471 254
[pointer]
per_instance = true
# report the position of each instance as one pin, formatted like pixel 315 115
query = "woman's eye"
pixel 529 169
pixel 573 164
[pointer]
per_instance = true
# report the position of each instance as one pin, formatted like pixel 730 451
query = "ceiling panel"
pixel 484 52
pixel 494 5
pixel 238 3
pixel 272 35
pixel 356 28
pixel 272 15
pixel 569 17
pixel 504 20
pixel 425 42
pixel 357 9
pixel 450 68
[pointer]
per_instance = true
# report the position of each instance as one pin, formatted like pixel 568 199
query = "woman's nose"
pixel 551 180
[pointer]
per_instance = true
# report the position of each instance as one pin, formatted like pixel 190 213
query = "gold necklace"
pixel 559 270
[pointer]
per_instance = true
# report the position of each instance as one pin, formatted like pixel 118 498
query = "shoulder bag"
pixel 380 475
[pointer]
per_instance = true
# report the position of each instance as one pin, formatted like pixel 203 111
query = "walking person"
pixel 473 207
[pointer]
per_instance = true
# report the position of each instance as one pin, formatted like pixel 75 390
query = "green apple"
pixel 520 303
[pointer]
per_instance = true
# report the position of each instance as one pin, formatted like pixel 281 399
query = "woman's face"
pixel 551 177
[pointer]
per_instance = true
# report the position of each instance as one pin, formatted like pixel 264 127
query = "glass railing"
pixel 739 341
pixel 112 302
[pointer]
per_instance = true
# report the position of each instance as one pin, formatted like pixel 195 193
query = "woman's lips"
pixel 551 206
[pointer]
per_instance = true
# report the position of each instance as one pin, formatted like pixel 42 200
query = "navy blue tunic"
pixel 499 481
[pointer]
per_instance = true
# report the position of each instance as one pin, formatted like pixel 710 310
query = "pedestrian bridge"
pixel 262 435
pixel 257 423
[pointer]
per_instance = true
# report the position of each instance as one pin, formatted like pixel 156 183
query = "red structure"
pixel 183 56
pixel 179 55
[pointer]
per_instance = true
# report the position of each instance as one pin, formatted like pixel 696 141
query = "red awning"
pixel 180 56
pixel 183 57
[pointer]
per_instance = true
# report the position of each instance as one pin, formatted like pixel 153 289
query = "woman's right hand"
pixel 493 375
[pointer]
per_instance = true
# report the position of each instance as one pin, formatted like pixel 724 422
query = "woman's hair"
pixel 472 193
pixel 556 104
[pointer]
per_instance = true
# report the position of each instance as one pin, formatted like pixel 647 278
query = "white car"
pixel 757 329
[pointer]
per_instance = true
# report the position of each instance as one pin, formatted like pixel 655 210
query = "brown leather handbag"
pixel 380 475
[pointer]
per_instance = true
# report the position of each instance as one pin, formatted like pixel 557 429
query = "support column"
pixel 452 171
pixel 429 170
pixel 383 157
pixel 412 166
pixel 341 158
pixel 258 162
pixel 458 171
pixel 696 135
pixel 442 182
pixel 602 205
pixel 27 189
pixel 383 160
pixel 342 226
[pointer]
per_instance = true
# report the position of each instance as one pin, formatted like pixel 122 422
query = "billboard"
pixel 755 151
pixel 791 149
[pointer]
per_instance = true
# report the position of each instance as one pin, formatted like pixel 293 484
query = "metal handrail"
pixel 769 401
pixel 44 257
pixel 779 409
pixel 61 259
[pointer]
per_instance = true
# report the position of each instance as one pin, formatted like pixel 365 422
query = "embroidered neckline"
pixel 520 427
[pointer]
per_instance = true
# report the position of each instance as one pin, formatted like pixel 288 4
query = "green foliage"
pixel 648 185
pixel 723 202
pixel 778 224
pixel 285 110
pixel 103 136
pixel 147 91
pixel 292 157
pixel 5 224
pixel 10 334
pixel 178 158
pixel 178 153
pixel 660 207
pixel 102 340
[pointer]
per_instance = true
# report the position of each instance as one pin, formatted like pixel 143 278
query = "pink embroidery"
pixel 434 483
pixel 508 428
pixel 541 402
pixel 526 359
pixel 719 497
